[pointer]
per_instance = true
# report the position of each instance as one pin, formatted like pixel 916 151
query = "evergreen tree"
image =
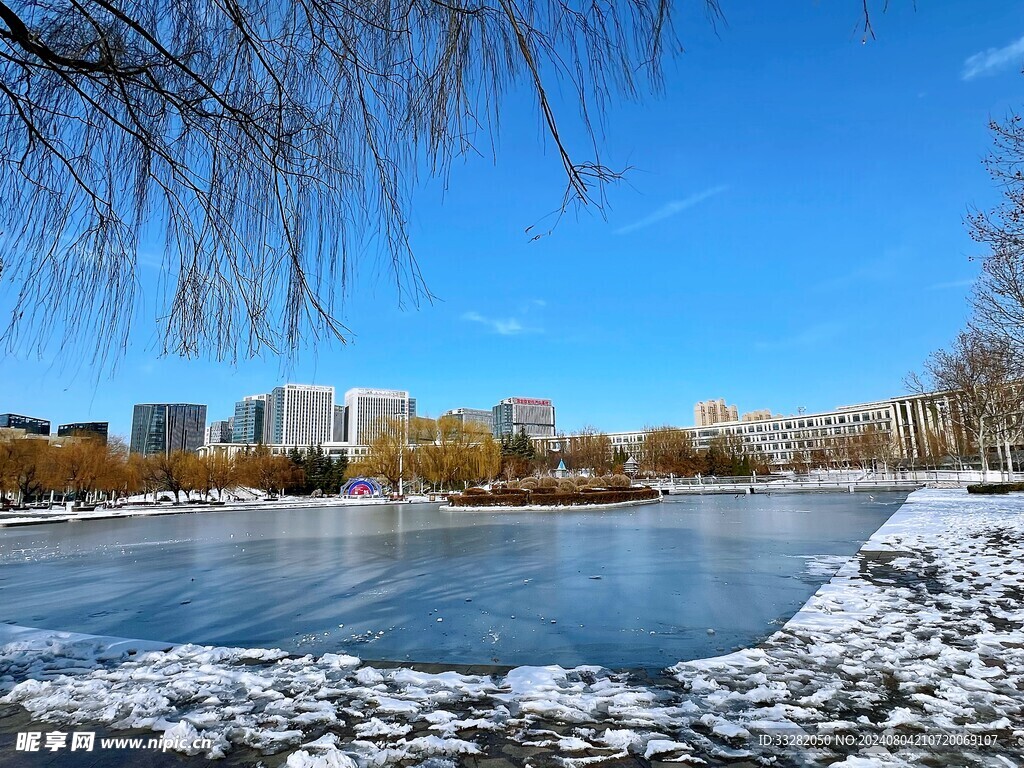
pixel 522 446
pixel 338 469
pixel 317 466
pixel 298 460
pixel 619 456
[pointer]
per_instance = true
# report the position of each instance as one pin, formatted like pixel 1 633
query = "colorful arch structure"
pixel 362 486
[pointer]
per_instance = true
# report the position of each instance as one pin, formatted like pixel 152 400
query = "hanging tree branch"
pixel 266 143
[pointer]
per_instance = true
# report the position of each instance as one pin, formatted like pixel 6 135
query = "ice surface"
pixel 922 632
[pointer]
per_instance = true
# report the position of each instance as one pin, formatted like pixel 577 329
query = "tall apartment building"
pixel 367 410
pixel 249 422
pixel 219 432
pixel 300 415
pixel 477 415
pixel 762 415
pixel 167 427
pixel 31 425
pixel 534 415
pixel 708 412
pixel 95 429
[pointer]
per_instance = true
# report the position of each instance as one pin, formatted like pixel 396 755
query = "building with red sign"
pixel 536 416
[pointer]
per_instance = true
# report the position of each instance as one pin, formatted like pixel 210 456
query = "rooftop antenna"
pixel 801 410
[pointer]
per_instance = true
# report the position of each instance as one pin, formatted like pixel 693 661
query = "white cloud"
pixel 994 59
pixel 818 335
pixel 951 284
pixel 671 209
pixel 502 326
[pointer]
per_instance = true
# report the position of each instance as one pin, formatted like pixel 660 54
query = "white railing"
pixel 837 479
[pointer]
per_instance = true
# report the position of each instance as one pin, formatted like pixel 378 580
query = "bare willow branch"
pixel 267 143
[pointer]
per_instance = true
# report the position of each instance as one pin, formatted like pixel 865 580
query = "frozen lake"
pixel 635 587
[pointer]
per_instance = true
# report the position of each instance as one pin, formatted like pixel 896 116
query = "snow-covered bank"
pixel 918 638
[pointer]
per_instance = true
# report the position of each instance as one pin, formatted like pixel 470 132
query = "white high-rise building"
pixel 300 415
pixel 367 410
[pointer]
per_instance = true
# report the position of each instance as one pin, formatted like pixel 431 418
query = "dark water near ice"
pixel 634 587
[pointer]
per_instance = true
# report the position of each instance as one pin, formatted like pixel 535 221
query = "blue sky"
pixel 791 235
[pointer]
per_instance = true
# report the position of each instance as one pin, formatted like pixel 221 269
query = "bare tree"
pixel 171 472
pixel 79 465
pixel 267 143
pixel 221 471
pixel 982 376
pixel 10 465
pixel 449 451
pixel 999 294
pixel 388 456
pixel 668 450
pixel 266 471
pixel 588 449
pixel 35 467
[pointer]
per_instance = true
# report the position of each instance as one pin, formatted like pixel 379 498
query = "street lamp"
pixel 402 447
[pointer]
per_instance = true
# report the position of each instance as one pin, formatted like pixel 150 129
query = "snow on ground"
pixel 913 654
pixel 59 514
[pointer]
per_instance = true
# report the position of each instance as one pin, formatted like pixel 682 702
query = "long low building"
pixel 909 428
pixel 333 449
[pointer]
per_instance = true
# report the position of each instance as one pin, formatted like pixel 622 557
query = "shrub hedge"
pixel 995 487
pixel 553 497
pixel 488 500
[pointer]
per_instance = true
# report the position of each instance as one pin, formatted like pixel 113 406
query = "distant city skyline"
pixel 791 236
pixel 704 413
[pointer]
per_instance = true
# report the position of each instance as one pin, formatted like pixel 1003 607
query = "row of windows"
pixel 748 432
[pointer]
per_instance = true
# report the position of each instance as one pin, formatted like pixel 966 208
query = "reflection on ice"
pixel 630 587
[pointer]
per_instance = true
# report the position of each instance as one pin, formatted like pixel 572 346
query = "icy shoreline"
pixel 58 515
pixel 918 637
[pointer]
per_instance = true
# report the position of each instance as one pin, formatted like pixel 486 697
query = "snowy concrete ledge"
pixel 912 655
